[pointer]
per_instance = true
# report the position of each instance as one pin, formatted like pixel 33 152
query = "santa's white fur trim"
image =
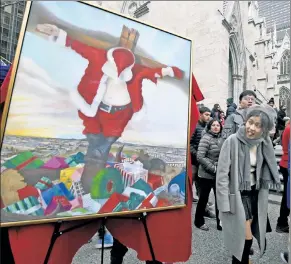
pixel 62 38
pixel 83 106
pixel 168 72
pixel 110 68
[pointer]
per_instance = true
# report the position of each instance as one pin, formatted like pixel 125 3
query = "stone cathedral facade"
pixel 232 49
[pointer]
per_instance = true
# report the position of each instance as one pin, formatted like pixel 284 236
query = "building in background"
pixel 237 46
pixel 11 20
pixel 277 15
pixel 234 49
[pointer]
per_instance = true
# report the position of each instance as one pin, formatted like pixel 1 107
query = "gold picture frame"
pixel 43 188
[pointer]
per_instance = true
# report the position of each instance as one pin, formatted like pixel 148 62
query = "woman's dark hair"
pixel 209 124
pixel 266 122
pixel 215 106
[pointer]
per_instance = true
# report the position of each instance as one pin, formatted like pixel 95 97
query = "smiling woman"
pixel 246 169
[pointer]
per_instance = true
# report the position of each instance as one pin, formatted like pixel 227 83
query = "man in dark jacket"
pixel 280 123
pixel 246 99
pixel 204 118
pixel 231 107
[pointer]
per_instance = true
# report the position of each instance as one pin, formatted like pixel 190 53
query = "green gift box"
pixel 24 160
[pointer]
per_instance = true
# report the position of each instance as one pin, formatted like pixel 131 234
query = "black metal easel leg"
pixel 143 220
pixel 58 233
pixel 102 229
pixel 55 235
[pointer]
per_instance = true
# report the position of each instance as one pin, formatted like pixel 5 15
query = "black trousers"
pixel 119 250
pixel 284 210
pixel 205 187
pixel 6 252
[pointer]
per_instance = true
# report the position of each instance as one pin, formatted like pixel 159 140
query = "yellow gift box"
pixel 66 176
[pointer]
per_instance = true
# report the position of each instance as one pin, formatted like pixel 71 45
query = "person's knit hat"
pixel 271 100
pixel 268 110
pixel 229 101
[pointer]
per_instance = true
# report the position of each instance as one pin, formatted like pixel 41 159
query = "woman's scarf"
pixel 265 156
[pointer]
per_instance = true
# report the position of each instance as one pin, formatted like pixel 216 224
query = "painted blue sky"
pixel 163 46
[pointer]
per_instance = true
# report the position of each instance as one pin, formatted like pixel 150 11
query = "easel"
pixel 57 233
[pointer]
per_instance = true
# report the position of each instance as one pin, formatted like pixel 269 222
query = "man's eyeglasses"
pixel 247 98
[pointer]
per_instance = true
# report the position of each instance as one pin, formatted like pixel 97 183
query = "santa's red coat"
pixel 89 84
pixel 30 243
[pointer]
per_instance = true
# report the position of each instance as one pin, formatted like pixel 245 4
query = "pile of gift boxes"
pixel 128 186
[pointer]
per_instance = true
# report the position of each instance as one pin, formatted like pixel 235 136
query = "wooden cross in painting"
pixel 103 40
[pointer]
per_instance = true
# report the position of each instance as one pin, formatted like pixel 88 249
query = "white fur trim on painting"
pixel 83 106
pixel 168 72
pixel 110 69
pixel 61 39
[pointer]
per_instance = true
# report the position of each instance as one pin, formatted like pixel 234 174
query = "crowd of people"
pixel 234 156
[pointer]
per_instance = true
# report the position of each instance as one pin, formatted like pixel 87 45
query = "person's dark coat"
pixel 231 109
pixel 208 154
pixel 194 141
pixel 280 120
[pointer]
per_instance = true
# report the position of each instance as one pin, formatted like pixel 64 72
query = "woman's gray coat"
pixel 229 201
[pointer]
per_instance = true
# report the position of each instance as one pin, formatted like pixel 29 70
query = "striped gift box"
pixel 126 176
pixel 43 184
pixel 27 206
pixel 130 177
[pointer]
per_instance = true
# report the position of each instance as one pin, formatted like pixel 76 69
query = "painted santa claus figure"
pixel 109 95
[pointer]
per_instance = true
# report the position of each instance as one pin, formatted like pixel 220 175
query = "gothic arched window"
pixel 284 98
pixel 285 63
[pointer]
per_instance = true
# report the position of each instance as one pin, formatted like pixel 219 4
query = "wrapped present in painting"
pixel 11 182
pixel 27 206
pixel 58 202
pixel 43 184
pixel 142 185
pixel 77 174
pixel 75 159
pixel 57 190
pixel 27 191
pixel 149 202
pixel 105 183
pixel 114 200
pixel 90 204
pixel 77 189
pixel 66 176
pixel 178 184
pixel 131 172
pixel 155 181
pixel 24 160
pixel 56 163
pixel 75 212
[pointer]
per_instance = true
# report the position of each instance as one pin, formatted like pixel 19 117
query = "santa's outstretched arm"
pixel 60 37
pixel 153 74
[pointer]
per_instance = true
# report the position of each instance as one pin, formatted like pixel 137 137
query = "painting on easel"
pixel 97 121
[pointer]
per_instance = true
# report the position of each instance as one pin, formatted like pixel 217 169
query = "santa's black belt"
pixel 111 109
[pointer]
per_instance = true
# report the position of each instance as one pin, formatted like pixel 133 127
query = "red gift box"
pixel 27 191
pixel 155 181
pixel 112 202
pixel 163 203
pixel 58 200
pixel 149 202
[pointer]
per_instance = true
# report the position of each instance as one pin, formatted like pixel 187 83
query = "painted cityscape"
pixel 47 178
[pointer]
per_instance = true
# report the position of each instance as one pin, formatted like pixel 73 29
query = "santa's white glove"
pixel 83 106
pixel 168 72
